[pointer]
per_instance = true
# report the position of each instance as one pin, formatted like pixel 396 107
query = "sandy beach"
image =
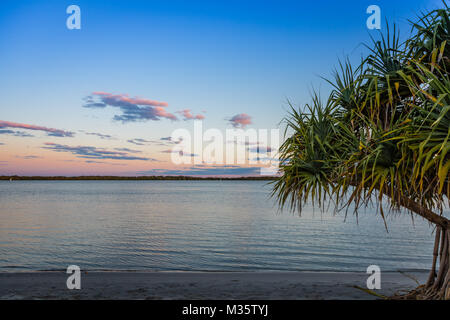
pixel 201 285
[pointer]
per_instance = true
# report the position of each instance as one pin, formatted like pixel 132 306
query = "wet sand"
pixel 202 285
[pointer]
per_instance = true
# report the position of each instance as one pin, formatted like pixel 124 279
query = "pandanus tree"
pixel 382 137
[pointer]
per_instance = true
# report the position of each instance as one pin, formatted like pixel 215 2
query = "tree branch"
pixel 424 212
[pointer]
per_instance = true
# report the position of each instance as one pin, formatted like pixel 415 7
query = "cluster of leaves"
pixel 384 131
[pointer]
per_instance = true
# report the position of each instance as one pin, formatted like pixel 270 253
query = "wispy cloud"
pixel 181 153
pixel 260 149
pixel 15 133
pixel 169 141
pixel 128 150
pixel 30 157
pixel 100 135
pixel 139 142
pixel 187 115
pixel 241 120
pixel 133 109
pixel 89 152
pixel 102 162
pixel 50 131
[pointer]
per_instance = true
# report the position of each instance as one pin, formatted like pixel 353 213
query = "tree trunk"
pixel 438 284
pixel 433 274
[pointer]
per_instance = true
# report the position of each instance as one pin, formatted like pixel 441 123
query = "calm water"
pixel 191 225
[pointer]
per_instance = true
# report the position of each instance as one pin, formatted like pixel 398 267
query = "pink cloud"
pixel 161 112
pixel 137 100
pixel 132 109
pixel 49 131
pixel 187 115
pixel 241 120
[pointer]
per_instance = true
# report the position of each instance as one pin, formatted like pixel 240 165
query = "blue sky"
pixel 218 59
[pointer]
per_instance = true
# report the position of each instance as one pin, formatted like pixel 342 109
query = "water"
pixel 192 225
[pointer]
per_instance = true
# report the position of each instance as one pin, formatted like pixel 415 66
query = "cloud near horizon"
pixel 167 141
pixel 181 153
pixel 88 152
pixel 241 120
pixel 29 157
pixel 128 150
pixel 50 131
pixel 206 171
pixel 260 149
pixel 133 109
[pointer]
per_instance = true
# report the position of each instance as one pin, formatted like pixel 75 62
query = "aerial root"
pixel 438 284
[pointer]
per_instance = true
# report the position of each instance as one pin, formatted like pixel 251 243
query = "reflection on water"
pixel 191 225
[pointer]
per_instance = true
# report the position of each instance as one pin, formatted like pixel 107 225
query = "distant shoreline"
pixel 139 178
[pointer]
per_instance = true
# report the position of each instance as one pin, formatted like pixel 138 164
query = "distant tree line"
pixel 140 178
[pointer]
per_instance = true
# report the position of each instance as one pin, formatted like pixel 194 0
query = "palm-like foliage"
pixel 432 30
pixel 308 156
pixel 383 134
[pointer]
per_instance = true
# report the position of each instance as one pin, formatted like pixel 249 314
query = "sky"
pixel 105 99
